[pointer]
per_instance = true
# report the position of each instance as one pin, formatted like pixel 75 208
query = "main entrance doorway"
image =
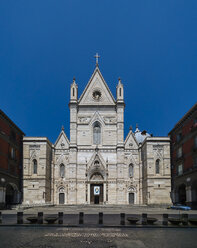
pixel 96 193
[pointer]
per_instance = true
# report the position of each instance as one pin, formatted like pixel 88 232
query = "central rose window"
pixel 96 95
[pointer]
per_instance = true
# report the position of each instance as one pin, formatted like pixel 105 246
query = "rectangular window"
pixel 195 142
pixel 195 162
pixel 13 153
pixel 178 137
pixel 180 169
pixel 179 152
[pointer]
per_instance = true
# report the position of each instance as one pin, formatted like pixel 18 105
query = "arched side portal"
pixel 131 195
pixel 61 196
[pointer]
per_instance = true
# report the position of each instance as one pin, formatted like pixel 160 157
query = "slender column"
pixel 88 193
pixel 104 193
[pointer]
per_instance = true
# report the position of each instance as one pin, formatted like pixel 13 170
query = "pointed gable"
pixel 130 141
pixel 62 141
pixel 97 92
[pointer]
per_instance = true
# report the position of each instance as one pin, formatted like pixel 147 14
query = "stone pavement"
pixel 31 237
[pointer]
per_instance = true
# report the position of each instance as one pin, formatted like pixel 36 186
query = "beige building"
pixel 97 165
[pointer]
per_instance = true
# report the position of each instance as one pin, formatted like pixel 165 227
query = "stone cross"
pixel 97 57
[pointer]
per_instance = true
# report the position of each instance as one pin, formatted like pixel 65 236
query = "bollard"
pixel 165 219
pixel 19 217
pixel 100 218
pixel 60 217
pixel 122 219
pixel 144 219
pixel 40 217
pixel 184 218
pixel 0 218
pixel 81 217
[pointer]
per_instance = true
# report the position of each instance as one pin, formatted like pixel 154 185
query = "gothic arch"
pixel 95 166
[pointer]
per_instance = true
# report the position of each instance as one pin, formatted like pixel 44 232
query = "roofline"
pixel 36 139
pixel 10 121
pixel 90 80
pixel 156 139
pixel 188 113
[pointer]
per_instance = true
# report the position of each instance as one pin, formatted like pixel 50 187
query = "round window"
pixel 96 95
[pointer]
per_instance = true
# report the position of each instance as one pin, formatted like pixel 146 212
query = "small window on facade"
pixel 157 166
pixel 13 136
pixel 73 92
pixel 35 166
pixel 195 162
pixel 131 170
pixel 62 170
pixel 97 133
pixel 180 169
pixel 179 152
pixel 120 91
pixel 195 142
pixel 178 137
pixel 13 153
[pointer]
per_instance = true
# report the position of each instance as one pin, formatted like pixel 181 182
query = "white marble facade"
pixel 135 170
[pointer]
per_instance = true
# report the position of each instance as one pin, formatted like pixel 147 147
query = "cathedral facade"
pixel 97 165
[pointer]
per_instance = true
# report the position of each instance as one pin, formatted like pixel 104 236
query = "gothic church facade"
pixel 97 165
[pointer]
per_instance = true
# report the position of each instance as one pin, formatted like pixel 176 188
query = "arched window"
pixel 62 170
pixel 131 170
pixel 96 133
pixel 73 92
pixel 35 166
pixel 120 91
pixel 157 166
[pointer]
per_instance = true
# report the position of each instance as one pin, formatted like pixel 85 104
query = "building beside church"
pixel 184 159
pixel 97 165
pixel 11 158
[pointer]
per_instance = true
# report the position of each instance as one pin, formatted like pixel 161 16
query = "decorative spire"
pixel 97 58
pixel 130 128
pixel 62 128
pixel 137 129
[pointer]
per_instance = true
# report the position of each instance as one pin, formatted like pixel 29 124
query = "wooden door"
pixel 61 198
pixel 131 198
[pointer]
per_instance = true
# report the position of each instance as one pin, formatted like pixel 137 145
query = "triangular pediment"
pixel 62 141
pixel 130 141
pixel 97 92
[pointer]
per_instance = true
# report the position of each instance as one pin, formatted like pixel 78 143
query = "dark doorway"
pixel 96 199
pixel 10 195
pixel 131 198
pixel 182 194
pixel 61 198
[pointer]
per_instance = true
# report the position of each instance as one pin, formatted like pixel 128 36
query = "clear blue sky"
pixel 151 45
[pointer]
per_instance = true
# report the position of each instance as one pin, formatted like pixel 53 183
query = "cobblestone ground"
pixel 21 237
